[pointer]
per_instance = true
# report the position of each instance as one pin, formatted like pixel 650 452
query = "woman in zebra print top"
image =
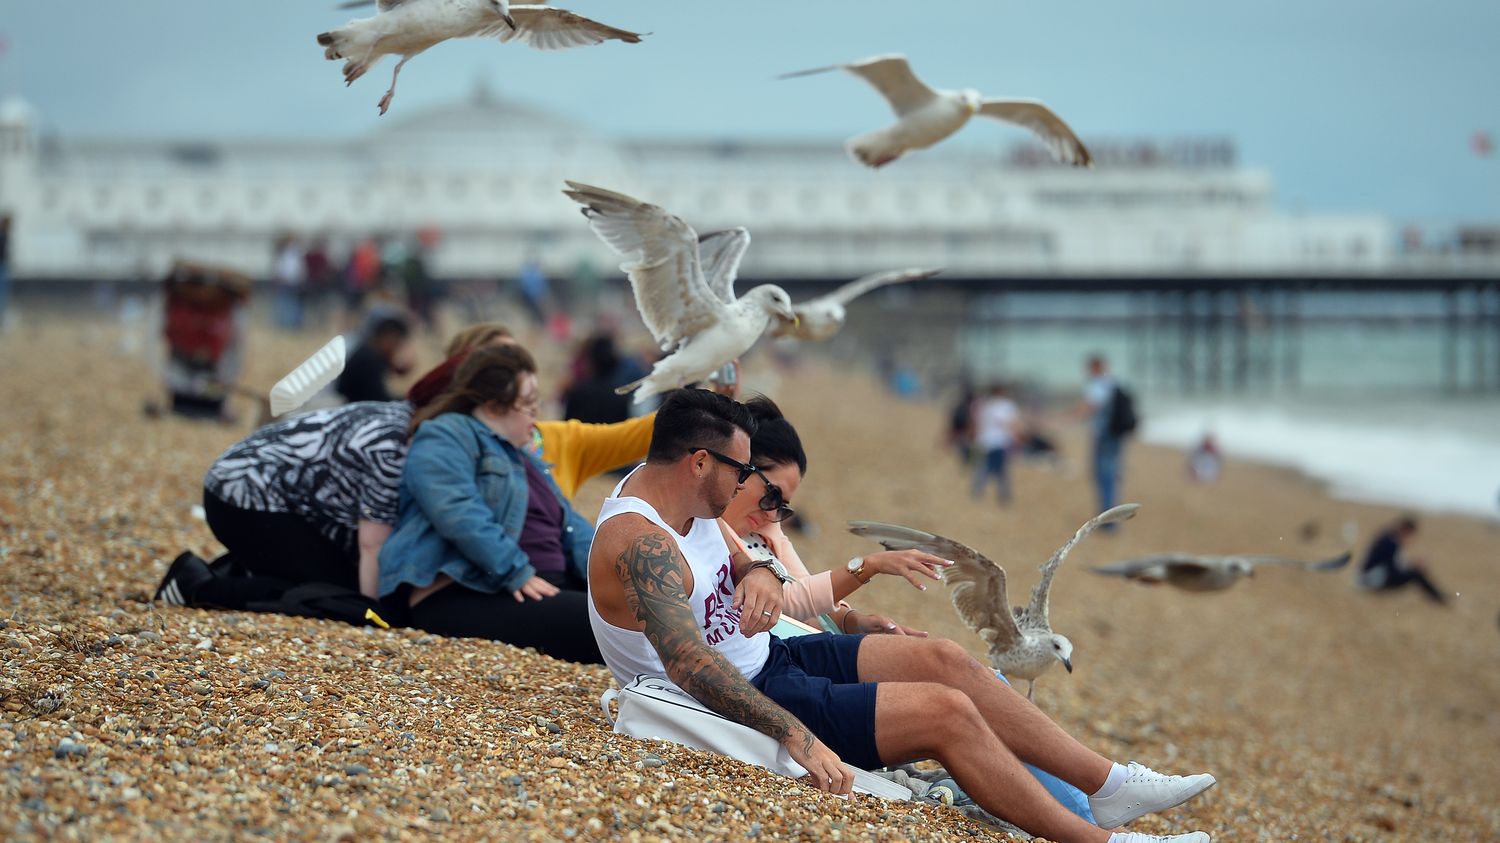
pixel 308 499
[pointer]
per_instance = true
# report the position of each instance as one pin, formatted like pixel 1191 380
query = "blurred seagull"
pixel 408 27
pixel 680 289
pixel 928 116
pixel 822 317
pixel 1021 642
pixel 1206 573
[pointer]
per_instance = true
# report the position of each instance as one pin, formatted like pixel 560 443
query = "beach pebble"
pixel 68 748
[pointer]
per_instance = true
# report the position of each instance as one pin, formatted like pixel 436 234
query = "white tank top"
pixel 628 653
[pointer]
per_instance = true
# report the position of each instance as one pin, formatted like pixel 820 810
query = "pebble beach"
pixel 1327 714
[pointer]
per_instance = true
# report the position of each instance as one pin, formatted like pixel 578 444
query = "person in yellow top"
pixel 576 451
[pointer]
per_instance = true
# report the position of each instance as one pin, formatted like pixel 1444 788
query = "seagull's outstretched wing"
pixel 977 584
pixel 890 75
pixel 858 287
pixel 549 28
pixel 1059 138
pixel 661 260
pixel 1150 569
pixel 720 253
pixel 1331 564
pixel 1035 612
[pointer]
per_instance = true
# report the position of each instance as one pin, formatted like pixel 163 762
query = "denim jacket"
pixel 463 502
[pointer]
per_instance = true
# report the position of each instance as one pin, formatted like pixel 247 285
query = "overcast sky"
pixel 1366 106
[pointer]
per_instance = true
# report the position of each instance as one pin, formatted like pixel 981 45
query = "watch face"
pixel 856 563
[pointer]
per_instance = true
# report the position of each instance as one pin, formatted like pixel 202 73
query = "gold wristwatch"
pixel 857 567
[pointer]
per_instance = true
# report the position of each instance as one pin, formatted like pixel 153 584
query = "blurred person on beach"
pixel 361 276
pixel 421 290
pixel 1388 568
pixel 5 223
pixel 754 519
pixel 996 432
pixel 669 598
pixel 322 281
pixel 385 349
pixel 534 290
pixel 961 424
pixel 309 499
pixel 1205 463
pixel 487 545
pixel 576 451
pixel 288 283
pixel 1104 406
pixel 205 327
pixel 591 398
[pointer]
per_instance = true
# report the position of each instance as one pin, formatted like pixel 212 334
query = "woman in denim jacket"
pixel 486 544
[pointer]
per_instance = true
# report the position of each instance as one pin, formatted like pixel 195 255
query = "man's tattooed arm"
pixel 651 570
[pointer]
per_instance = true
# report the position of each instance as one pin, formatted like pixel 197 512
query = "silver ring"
pixel 767 614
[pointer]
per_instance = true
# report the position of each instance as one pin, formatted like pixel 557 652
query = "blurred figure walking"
pixel 1110 411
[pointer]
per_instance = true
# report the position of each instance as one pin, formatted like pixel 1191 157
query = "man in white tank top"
pixel 661 603
pixel 657 591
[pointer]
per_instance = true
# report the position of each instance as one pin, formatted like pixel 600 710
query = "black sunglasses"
pixel 773 501
pixel 743 469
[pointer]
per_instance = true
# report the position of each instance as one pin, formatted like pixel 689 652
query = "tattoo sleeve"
pixel 651 570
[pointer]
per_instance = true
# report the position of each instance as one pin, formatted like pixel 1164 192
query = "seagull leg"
pixel 385 101
pixel 1030 686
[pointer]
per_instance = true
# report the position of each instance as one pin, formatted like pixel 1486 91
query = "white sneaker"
pixel 1132 837
pixel 1146 791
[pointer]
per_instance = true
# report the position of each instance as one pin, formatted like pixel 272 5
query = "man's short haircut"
pixel 690 419
pixel 1407 523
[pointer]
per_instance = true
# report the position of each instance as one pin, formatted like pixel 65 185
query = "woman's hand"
pixel 758 597
pixel 909 564
pixel 535 588
pixel 872 624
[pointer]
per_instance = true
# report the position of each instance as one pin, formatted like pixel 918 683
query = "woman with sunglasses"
pixel 486 545
pixel 755 516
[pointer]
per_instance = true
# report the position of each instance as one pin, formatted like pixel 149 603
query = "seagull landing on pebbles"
pixel 1206 573
pixel 927 116
pixel 822 317
pixel 408 27
pixel 683 285
pixel 1021 642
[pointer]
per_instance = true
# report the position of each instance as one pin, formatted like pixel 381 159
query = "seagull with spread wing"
pixel 822 317
pixel 1021 642
pixel 408 27
pixel 926 116
pixel 1207 573
pixel 683 285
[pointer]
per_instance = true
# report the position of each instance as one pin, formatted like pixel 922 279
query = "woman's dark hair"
pixel 487 374
pixel 775 441
pixel 690 419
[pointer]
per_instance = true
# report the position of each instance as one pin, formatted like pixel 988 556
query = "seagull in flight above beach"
pixel 1206 573
pixel 1021 642
pixel 927 116
pixel 822 317
pixel 678 281
pixel 408 27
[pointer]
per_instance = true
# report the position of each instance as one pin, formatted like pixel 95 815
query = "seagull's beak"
pixel 1068 663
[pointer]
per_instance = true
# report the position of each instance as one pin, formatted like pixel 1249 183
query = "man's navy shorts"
pixel 816 678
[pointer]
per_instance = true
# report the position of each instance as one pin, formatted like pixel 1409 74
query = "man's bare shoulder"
pixel 622 531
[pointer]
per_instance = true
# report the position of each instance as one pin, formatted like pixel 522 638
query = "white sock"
pixel 1121 837
pixel 1111 784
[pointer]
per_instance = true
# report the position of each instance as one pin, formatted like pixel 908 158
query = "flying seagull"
pixel 1021 642
pixel 408 27
pixel 822 317
pixel 677 278
pixel 927 116
pixel 1206 573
